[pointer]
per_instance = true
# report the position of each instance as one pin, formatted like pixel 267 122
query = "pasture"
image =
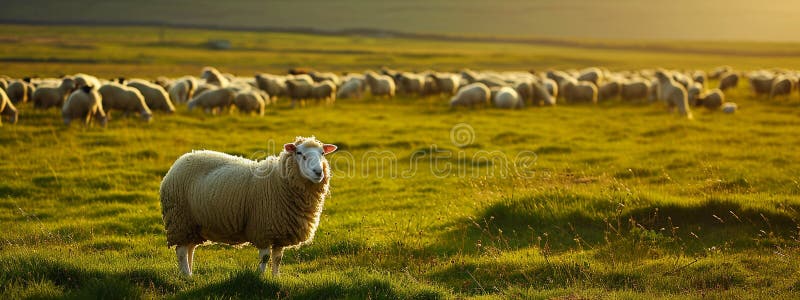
pixel 616 200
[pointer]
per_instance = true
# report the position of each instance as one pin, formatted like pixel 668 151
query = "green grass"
pixel 623 201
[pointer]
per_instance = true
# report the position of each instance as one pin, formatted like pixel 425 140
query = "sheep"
pixel 634 89
pixel 82 80
pixel 446 83
pixel 325 90
pixel 85 104
pixel 582 91
pixel 213 76
pixel 673 93
pixel 761 83
pixel 593 75
pixel 125 99
pixel 781 85
pixel 410 83
pixel 609 90
pixel 154 95
pixel 471 95
pixel 213 101
pixel 525 91
pixel 7 109
pixel 730 108
pixel 181 90
pixel 320 77
pixel 273 204
pixel 507 98
pixel 700 77
pixel 47 97
pixel 380 85
pixel 693 92
pixel 712 99
pixel 728 80
pixel 250 101
pixel 275 86
pixel 18 91
pixel 299 90
pixel 544 92
pixel 352 88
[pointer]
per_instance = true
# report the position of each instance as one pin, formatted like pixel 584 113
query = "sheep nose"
pixel 318 172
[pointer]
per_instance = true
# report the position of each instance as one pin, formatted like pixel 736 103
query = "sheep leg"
pixel 263 258
pixel 277 255
pixel 183 259
pixel 190 256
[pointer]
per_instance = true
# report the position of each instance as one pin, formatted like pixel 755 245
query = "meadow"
pixel 619 200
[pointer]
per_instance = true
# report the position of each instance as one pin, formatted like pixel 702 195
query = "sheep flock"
pixel 93 99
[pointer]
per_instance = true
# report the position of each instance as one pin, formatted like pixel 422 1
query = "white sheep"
pixel 84 104
pixel 673 93
pixel 19 90
pixel 712 99
pixel 352 88
pixel 579 91
pixel 275 86
pixel 125 99
pixel 250 101
pixel 507 98
pixel 182 89
pixel 46 97
pixel 272 204
pixel 380 85
pixel 213 101
pixel 213 76
pixel 782 85
pixel 82 80
pixel 634 89
pixel 447 83
pixel 325 90
pixel 728 80
pixel 154 95
pixel 7 109
pixel 471 95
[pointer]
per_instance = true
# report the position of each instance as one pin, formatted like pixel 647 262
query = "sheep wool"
pixel 125 99
pixel 250 101
pixel 507 98
pixel 471 95
pixel 47 97
pixel 272 203
pixel 154 95
pixel 182 89
pixel 7 109
pixel 214 100
pixel 84 104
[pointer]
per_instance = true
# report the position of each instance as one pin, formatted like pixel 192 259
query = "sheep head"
pixel 309 153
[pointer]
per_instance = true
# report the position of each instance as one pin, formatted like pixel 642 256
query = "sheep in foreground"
pixel 507 98
pixel 84 104
pixel 7 109
pixel 712 99
pixel 154 95
pixel 250 101
pixel 125 99
pixel 272 204
pixel 673 93
pixel 213 101
pixel 47 97
pixel 471 95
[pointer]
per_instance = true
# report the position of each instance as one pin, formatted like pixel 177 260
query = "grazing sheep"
pixel 84 104
pixel 181 90
pixel 47 97
pixel 525 91
pixel 124 98
pixel 471 95
pixel 781 86
pixel 213 101
pixel 272 204
pixel 154 95
pixel 249 102
pixel 609 90
pixel 321 76
pixel 712 99
pixel 693 92
pixel 634 89
pixel 7 109
pixel 380 85
pixel 352 88
pixel 761 83
pixel 593 75
pixel 410 83
pixel 446 83
pixel 673 93
pixel 728 80
pixel 583 91
pixel 544 92
pixel 507 98
pixel 729 108
pixel 274 86
pixel 325 90
pixel 213 76
pixel 299 90
pixel 18 91
pixel 82 80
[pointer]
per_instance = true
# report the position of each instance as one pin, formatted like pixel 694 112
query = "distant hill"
pixel 731 20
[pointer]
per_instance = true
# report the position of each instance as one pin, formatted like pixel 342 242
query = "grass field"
pixel 620 200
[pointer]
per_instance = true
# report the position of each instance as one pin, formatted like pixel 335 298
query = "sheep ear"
pixel 328 148
pixel 289 147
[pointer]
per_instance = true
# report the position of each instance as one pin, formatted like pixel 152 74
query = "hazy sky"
pixel 776 20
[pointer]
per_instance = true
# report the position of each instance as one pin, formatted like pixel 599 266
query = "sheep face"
pixel 310 158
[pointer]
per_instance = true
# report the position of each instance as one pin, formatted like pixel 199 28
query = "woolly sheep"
pixel 84 104
pixel 213 76
pixel 608 90
pixel 728 80
pixel 507 98
pixel 275 86
pixel 154 95
pixel 7 109
pixel 82 80
pixel 525 91
pixel 634 89
pixel 693 92
pixel 712 99
pixel 593 75
pixel 582 91
pixel 380 85
pixel 181 90
pixel 544 92
pixel 125 99
pixel 272 204
pixel 700 77
pixel 471 95
pixel 729 108
pixel 781 85
pixel 250 101
pixel 47 97
pixel 761 83
pixel 17 91
pixel 673 93
pixel 299 90
pixel 213 101
pixel 325 90
pixel 446 83
pixel 410 83
pixel 352 88
pixel 324 76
